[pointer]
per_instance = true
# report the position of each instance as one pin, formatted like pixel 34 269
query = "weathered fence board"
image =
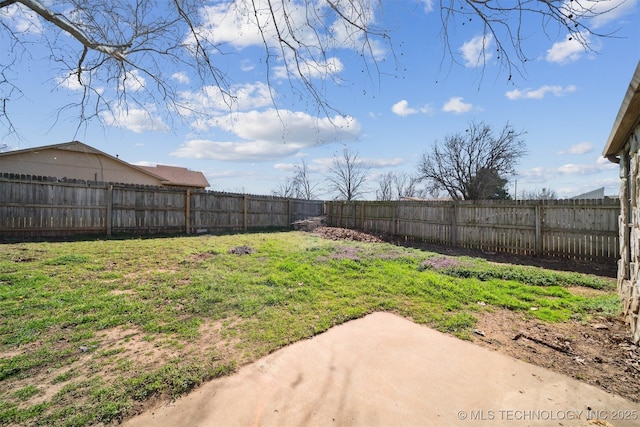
pixel 43 207
pixel 560 228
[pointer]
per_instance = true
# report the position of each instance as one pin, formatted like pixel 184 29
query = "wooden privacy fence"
pixel 580 229
pixel 43 207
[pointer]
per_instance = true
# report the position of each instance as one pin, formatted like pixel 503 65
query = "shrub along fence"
pixel 579 229
pixel 44 207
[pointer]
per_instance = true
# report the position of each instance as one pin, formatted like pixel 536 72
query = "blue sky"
pixel 566 101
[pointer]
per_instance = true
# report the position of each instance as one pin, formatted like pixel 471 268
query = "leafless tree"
pixel 396 186
pixel 472 165
pixel 347 176
pixel 385 187
pixel 298 185
pixel 124 54
pixel 406 186
pixel 543 194
pixel 305 189
pixel 286 188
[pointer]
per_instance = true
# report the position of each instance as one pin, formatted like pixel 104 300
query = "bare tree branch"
pixel 299 38
pixel 397 186
pixel 116 51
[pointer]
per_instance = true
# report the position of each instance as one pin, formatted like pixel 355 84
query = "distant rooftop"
pixel 178 176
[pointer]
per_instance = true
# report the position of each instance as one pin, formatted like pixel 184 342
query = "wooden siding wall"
pixel 43 207
pixel 580 229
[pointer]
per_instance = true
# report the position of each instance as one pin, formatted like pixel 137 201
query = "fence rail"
pixel 579 229
pixel 43 207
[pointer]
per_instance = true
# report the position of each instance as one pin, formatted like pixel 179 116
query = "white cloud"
pixel 135 119
pixel 312 167
pixel 287 167
pixel 477 51
pixel 578 169
pixel 428 5
pixel 401 108
pixel 230 23
pixel 568 50
pixel 132 81
pixel 290 126
pixel 312 69
pixel 541 174
pixel 343 35
pixel 235 151
pixel 596 14
pixel 457 105
pixel 601 12
pixel 210 102
pixel 383 163
pixel 581 148
pixel 69 81
pixel 540 92
pixel 323 164
pixel 180 77
pixel 270 135
pixel 22 19
pixel 246 65
pixel 235 24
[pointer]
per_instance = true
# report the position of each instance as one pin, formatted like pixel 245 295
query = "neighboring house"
pixel 75 160
pixel 593 194
pixel 178 177
pixel 622 147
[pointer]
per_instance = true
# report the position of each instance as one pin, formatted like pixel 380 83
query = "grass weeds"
pixel 76 313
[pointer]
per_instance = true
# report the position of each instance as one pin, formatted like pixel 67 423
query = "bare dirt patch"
pixel 335 233
pixel 201 257
pixel 599 352
pixel 115 351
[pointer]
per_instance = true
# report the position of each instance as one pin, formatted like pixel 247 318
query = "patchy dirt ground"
pixel 599 353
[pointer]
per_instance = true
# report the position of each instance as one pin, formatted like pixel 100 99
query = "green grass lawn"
pixel 91 330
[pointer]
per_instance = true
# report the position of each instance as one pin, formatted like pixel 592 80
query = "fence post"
pixel 289 219
pixel 454 224
pixel 187 218
pixel 537 217
pixel 362 216
pixel 355 216
pixel 327 210
pixel 394 219
pixel 244 213
pixel 109 218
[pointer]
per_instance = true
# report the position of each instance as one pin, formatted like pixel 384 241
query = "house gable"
pixel 75 160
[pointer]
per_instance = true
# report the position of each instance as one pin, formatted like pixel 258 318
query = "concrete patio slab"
pixel 384 370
